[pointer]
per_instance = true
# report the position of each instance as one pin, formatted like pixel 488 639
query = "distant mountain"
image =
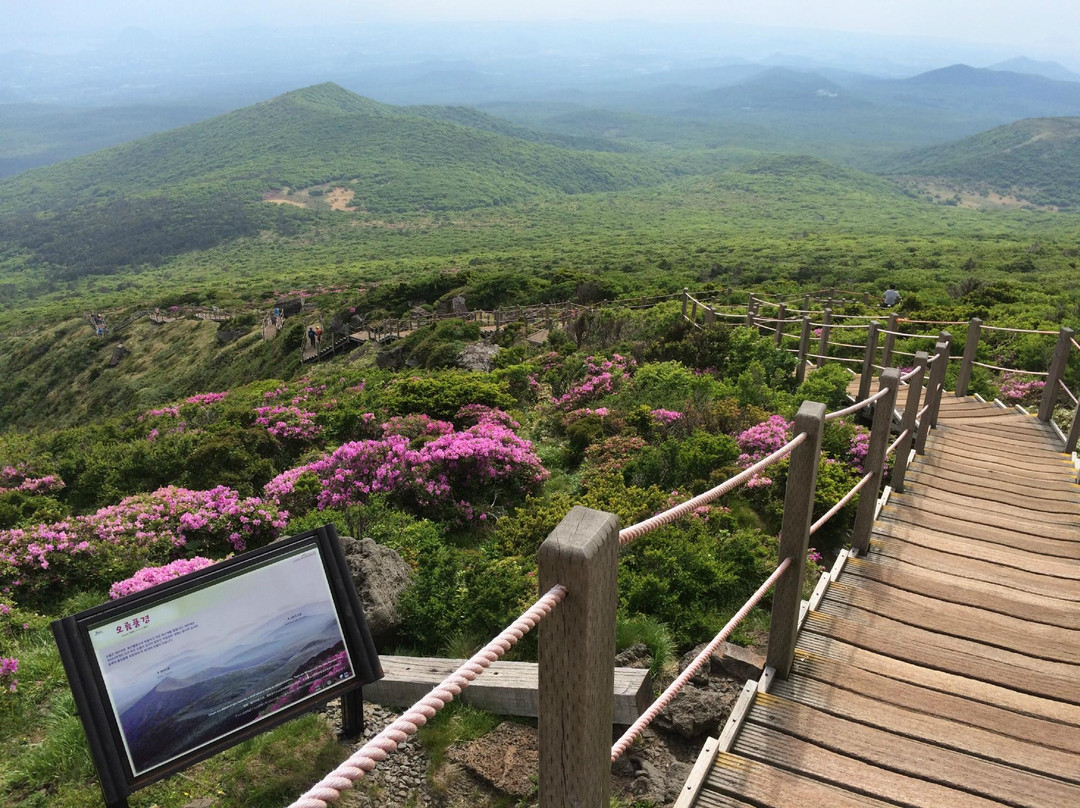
pixel 1050 70
pixel 203 184
pixel 999 95
pixel 779 89
pixel 1035 161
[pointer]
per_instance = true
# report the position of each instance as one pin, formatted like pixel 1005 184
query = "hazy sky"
pixel 1042 26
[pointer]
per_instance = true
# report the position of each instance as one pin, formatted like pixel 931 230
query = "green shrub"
pixel 443 394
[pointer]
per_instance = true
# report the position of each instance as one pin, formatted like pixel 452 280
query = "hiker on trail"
pixel 892 297
pixel 311 335
pixel 318 333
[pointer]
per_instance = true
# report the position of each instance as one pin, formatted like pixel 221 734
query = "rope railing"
pixel 843 501
pixel 1017 330
pixel 857 406
pixel 934 337
pixel 911 374
pixel 897 442
pixel 1069 393
pixel 1012 370
pixel 368 756
pixel 835 358
pixel 933 322
pixel 628 534
pixel 673 689
pixel 1075 344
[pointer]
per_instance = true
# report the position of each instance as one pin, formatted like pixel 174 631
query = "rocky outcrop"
pixel 479 356
pixel 380 576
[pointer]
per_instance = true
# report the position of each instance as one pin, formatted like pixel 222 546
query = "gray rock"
pixel 380 576
pixel 636 656
pixel 457 305
pixel 119 354
pixel 479 357
pixel 742 663
pixel 694 713
pixel 507 758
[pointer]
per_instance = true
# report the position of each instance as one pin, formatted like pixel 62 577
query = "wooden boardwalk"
pixel 943 668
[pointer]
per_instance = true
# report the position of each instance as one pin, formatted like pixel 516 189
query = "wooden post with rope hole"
pixel 795 536
pixel 576 672
pixel 874 462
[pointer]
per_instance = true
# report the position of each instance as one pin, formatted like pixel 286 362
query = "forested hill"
pixel 200 185
pixel 1035 160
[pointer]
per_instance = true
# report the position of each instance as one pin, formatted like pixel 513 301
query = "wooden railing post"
pixel 874 463
pixel 780 315
pixel 944 347
pixel 911 409
pixel 576 669
pixel 710 315
pixel 806 304
pixel 826 327
pixel 693 312
pixel 868 360
pixel 1057 370
pixel 685 300
pixel 1074 432
pixel 795 536
pixel 971 347
pixel 933 395
pixel 889 341
pixel 750 310
pixel 804 349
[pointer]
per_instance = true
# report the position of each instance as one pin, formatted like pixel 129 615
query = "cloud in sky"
pixel 1044 24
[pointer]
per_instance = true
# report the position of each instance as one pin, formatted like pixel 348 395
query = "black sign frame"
pixel 111 748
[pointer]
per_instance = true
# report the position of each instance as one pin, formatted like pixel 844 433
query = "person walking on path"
pixel 892 297
pixel 311 335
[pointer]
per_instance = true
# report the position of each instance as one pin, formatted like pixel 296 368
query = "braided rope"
pixel 365 758
pixel 1012 370
pixel 1068 392
pixel 628 534
pixel 858 405
pixel 911 374
pixel 1015 330
pixel 895 443
pixel 907 336
pixel 646 718
pixel 846 499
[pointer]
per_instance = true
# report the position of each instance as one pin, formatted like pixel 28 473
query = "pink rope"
pixel 673 689
pixel 847 498
pixel 1012 370
pixel 1068 392
pixel 895 443
pixel 365 758
pixel 911 374
pixel 628 534
pixel 1016 330
pixel 858 405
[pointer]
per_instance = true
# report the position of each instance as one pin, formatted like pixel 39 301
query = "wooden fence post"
pixel 1074 432
pixel 750 310
pixel 806 304
pixel 933 394
pixel 804 349
pixel 795 536
pixel 911 409
pixel 971 347
pixel 710 315
pixel 1057 370
pixel 685 300
pixel 826 327
pixel 874 462
pixel 693 312
pixel 576 669
pixel 780 315
pixel 889 341
pixel 943 347
pixel 869 355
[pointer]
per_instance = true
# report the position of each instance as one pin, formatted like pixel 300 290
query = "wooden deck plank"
pixel 959 620
pixel 912 757
pixel 964 658
pixel 923 524
pixel 944 732
pixel 965 566
pixel 976 455
pixel 764 744
pixel 812 669
pixel 769 787
pixel 999 512
pixel 991 487
pixel 1056 483
pixel 1030 606
pixel 941 680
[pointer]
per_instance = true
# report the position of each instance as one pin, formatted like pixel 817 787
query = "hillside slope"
pixel 202 185
pixel 1035 160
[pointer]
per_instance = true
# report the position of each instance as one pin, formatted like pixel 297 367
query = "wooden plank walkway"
pixel 943 668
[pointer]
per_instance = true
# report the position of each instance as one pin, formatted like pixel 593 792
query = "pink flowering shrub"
pixel 759 442
pixel 9 666
pixel 1018 389
pixel 288 422
pixel 665 417
pixel 93 551
pixel 451 471
pixel 602 378
pixel 150 576
pixel 204 399
pixel 417 427
pixel 18 478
